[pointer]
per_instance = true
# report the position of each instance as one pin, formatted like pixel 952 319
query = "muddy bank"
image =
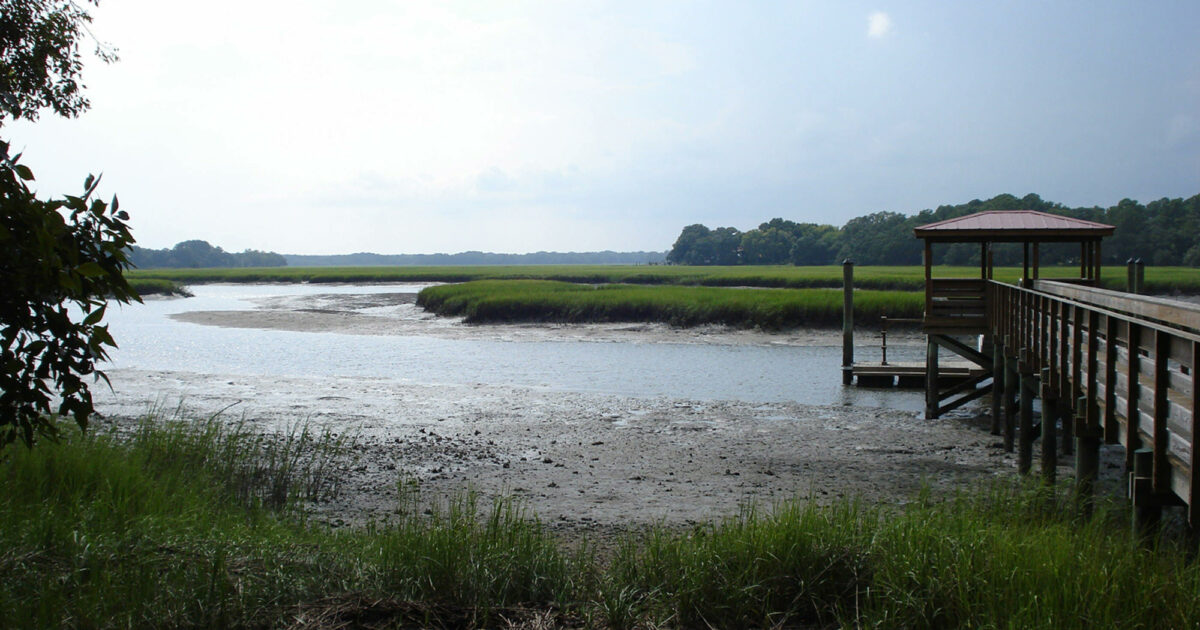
pixel 587 461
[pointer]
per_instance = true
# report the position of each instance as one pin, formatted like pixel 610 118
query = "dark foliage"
pixel 39 57
pixel 60 261
pixel 476 258
pixel 196 254
pixel 1163 232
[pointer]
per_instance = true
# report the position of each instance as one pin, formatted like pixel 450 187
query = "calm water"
pixel 150 340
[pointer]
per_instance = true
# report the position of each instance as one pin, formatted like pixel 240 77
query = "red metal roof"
pixel 1013 225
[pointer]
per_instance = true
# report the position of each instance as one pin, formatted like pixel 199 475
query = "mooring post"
pixel 1012 388
pixel 1050 410
pixel 932 387
pixel 847 321
pixel 1147 513
pixel 1087 461
pixel 1130 277
pixel 997 386
pixel 1025 421
pixel 1141 276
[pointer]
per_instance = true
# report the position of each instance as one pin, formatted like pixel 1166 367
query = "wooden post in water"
pixel 1087 461
pixel 1130 277
pixel 932 387
pixel 847 321
pixel 1147 514
pixel 1141 276
pixel 1049 431
pixel 997 387
pixel 1025 419
pixel 1012 390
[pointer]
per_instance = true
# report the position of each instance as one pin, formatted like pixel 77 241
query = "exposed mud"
pixel 582 462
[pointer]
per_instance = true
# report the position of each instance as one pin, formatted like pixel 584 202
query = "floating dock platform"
pixel 910 374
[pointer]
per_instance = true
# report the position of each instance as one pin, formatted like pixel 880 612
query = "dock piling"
pixel 847 321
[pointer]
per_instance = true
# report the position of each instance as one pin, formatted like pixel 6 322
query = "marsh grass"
pixel 156 286
pixel 550 301
pixel 165 527
pixel 1005 556
pixel 904 278
pixel 180 524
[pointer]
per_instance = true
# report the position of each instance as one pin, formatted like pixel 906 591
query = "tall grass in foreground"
pixel 1004 557
pixel 548 301
pixel 178 524
pixel 149 530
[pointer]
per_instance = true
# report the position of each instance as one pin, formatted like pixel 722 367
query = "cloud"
pixel 879 24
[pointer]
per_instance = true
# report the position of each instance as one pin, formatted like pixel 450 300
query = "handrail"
pixel 884 319
pixel 1125 315
pixel 1172 312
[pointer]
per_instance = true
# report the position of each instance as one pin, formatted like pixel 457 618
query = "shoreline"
pixel 586 462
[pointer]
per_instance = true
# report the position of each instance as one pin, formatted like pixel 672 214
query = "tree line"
pixel 477 258
pixel 1162 232
pixel 193 254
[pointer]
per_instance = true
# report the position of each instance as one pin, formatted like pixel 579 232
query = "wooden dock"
pixel 910 374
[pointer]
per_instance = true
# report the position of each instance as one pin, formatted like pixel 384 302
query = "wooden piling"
pixel 932 386
pixel 1050 411
pixel 1147 513
pixel 997 387
pixel 1087 462
pixel 847 321
pixel 1012 388
pixel 1025 415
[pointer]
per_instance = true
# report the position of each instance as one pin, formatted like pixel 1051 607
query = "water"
pixel 642 366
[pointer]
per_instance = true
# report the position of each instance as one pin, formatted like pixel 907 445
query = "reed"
pixel 146 528
pixel 157 286
pixel 550 301
pixel 1005 556
pixel 909 278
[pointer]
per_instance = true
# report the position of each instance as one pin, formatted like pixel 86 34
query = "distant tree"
pixel 816 244
pixel 770 246
pixel 684 251
pixel 880 238
pixel 722 246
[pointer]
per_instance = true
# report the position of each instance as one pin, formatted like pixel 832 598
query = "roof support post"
pixel 1025 265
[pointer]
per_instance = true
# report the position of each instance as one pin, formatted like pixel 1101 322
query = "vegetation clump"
pixel 910 278
pixel 201 524
pixel 772 309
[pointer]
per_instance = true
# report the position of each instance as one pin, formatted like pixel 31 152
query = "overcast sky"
pixel 409 127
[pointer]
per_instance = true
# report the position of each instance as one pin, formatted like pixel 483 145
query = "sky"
pixel 322 127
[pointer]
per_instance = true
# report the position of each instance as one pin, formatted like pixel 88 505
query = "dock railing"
pixel 1122 370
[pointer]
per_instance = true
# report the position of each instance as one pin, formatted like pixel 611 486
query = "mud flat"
pixel 580 461
pixel 586 460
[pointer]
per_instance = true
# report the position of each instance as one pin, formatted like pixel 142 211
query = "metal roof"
pixel 1015 226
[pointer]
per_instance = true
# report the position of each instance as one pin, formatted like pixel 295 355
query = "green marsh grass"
pixel 156 286
pixel 148 528
pixel 910 278
pixel 550 301
pixel 179 524
pixel 1002 557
